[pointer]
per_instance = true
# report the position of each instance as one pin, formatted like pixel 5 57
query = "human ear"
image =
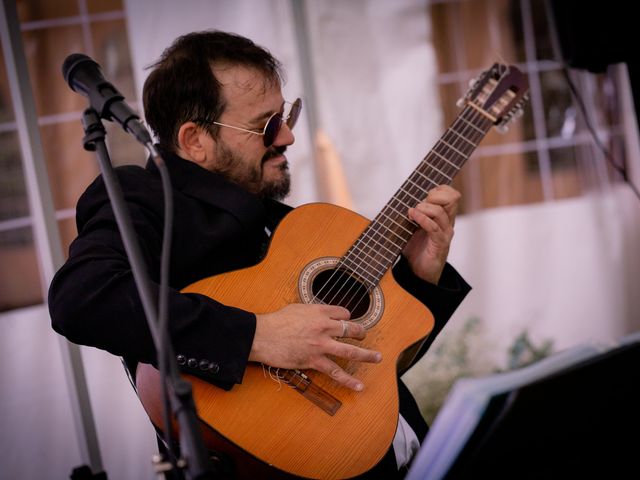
pixel 192 141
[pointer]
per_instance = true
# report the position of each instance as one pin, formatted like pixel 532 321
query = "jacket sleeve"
pixel 441 299
pixel 94 301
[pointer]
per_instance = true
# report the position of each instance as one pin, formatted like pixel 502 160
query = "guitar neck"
pixel 377 249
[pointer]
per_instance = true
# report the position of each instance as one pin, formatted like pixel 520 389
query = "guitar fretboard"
pixel 378 247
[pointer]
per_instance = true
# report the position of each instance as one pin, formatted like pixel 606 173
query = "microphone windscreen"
pixel 70 63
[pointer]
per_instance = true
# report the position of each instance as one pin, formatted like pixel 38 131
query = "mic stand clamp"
pixel 93 129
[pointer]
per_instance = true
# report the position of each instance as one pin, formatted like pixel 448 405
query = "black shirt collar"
pixel 197 182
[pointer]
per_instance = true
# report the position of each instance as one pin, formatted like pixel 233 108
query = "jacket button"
pixel 214 367
pixel 181 359
pixel 204 364
pixel 192 363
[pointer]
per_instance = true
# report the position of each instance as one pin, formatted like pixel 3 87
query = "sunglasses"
pixel 274 124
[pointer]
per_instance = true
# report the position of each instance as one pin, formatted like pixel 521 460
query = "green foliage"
pixel 463 353
pixel 523 352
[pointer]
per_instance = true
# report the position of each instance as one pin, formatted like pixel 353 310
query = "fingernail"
pixel 359 387
pixel 378 357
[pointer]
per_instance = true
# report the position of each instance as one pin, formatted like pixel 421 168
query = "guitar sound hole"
pixel 339 287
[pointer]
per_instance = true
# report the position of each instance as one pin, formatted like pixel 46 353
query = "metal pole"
pixel 301 29
pixel 45 227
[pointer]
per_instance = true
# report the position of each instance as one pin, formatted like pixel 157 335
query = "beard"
pixel 237 169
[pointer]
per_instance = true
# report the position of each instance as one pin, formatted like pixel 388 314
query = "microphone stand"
pixel 194 458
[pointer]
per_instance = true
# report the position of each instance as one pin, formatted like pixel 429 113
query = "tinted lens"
pixel 296 107
pixel 271 129
pixel 273 126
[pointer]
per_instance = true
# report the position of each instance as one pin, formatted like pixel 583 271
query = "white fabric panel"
pixel 127 439
pixel 38 435
pixel 374 72
pixel 565 271
pixel 377 96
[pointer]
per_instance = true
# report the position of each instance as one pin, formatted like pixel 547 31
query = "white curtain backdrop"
pixel 564 270
pixel 374 71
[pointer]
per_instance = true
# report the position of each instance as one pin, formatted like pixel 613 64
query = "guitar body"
pixel 276 423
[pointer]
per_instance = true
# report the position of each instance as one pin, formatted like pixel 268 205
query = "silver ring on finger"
pixel 345 328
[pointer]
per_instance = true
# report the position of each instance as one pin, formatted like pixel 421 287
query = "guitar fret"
pixel 454 149
pixel 379 232
pixel 420 186
pixel 461 119
pixel 413 189
pixel 443 158
pixel 394 221
pixel 402 215
pixel 481 132
pixel 462 148
pixel 400 203
pixel 427 178
pixel 373 257
pixel 481 119
pixel 388 230
pixel 450 153
pixel 362 273
pixel 473 145
pixel 354 266
pixel 439 171
pixel 365 246
pixel 406 192
pixel 369 265
pixel 472 118
pixel 403 203
pixel 382 244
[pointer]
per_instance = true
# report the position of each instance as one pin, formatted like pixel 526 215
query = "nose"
pixel 285 136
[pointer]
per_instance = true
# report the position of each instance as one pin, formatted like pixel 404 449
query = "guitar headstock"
pixel 499 93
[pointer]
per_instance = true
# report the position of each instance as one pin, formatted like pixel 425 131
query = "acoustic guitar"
pixel 302 423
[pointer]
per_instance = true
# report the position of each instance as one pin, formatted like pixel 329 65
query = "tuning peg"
pixel 502 127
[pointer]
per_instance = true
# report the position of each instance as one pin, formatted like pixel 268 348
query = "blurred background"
pixel 547 236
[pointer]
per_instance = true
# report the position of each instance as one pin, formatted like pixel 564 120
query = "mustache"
pixel 274 152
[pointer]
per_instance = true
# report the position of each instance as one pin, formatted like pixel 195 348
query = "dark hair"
pixel 182 86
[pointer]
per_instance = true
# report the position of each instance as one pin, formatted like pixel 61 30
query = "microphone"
pixel 84 76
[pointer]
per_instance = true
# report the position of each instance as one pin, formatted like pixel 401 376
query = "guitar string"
pixel 458 136
pixel 452 142
pixel 267 370
pixel 454 139
pixel 420 190
pixel 454 135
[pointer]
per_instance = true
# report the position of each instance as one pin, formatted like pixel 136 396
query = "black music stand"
pixel 576 418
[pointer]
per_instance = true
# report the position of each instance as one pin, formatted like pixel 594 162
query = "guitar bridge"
pixel 302 384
